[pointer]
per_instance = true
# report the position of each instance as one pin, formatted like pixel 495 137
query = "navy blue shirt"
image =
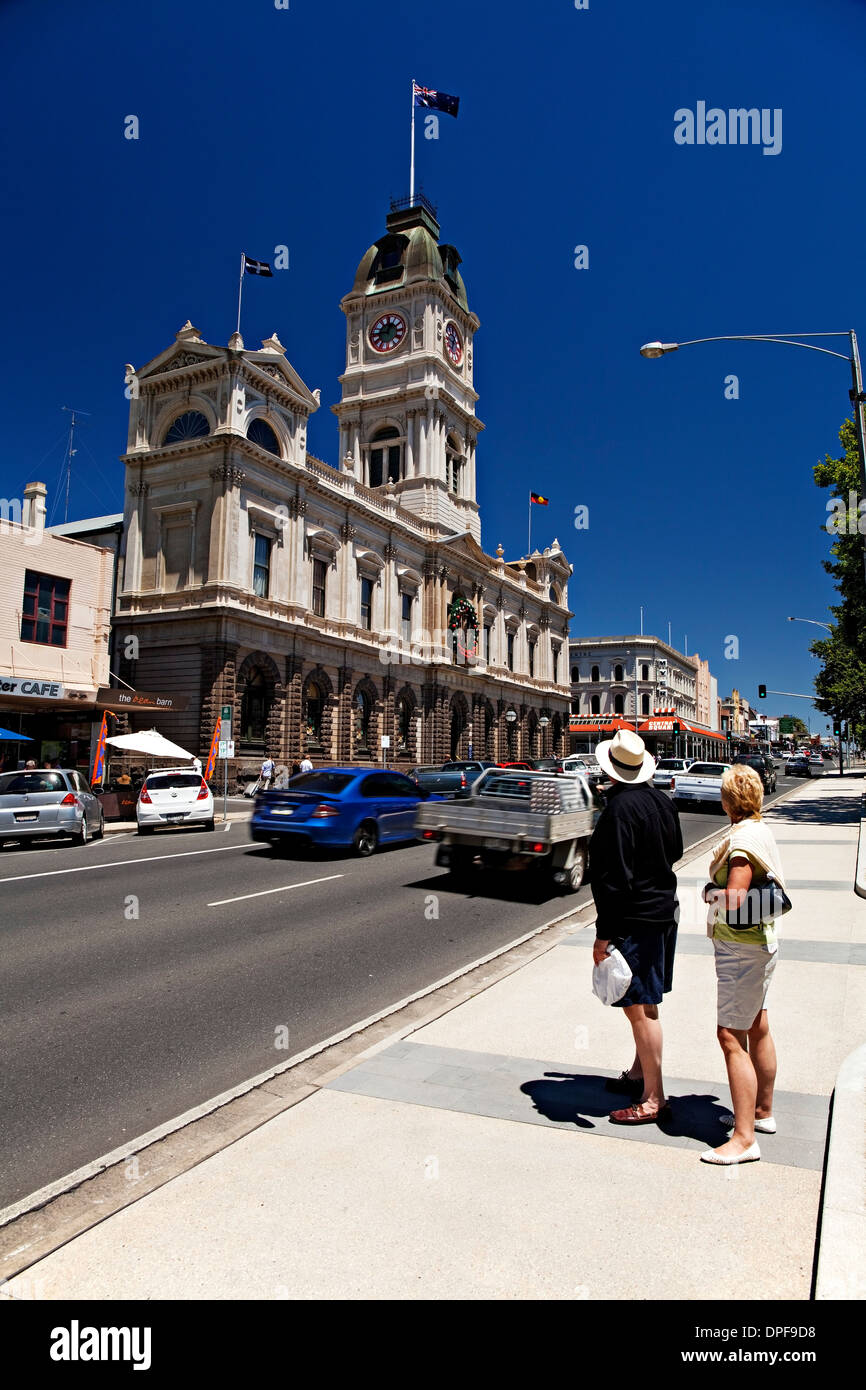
pixel 632 852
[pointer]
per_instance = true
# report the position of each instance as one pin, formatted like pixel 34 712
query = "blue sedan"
pixel 341 807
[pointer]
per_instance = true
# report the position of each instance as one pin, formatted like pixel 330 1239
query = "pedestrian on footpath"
pixel 306 765
pixel 266 774
pixel 632 853
pixel 745 962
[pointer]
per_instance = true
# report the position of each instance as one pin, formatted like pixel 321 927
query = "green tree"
pixel 792 724
pixel 841 683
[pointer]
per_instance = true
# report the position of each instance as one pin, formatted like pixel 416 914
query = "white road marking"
pixel 285 888
pixel 120 863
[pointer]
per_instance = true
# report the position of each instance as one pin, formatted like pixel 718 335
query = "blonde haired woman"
pixel 747 858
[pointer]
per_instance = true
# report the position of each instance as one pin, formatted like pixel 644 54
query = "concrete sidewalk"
pixel 472 1157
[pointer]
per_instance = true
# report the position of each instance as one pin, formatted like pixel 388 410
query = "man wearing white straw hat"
pixel 636 843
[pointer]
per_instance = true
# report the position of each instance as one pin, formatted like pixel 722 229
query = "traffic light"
pixel 762 692
pixel 837 728
pixel 675 726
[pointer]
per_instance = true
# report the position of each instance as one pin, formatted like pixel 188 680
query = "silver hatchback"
pixel 56 801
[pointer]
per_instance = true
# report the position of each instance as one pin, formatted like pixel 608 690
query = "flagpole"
pixel 412 148
pixel 529 534
pixel 240 289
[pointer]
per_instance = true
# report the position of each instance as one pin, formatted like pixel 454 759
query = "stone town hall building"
pixel 330 606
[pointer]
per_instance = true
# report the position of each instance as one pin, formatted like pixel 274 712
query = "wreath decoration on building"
pixel 461 614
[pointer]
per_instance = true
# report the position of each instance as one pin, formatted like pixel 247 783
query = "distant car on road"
pixel 797 766
pixel 667 769
pixel 448 779
pixel 701 785
pixel 816 765
pixel 43 802
pixel 765 768
pixel 588 765
pixel 341 808
pixel 174 796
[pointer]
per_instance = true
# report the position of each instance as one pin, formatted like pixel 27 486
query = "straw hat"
pixel 625 758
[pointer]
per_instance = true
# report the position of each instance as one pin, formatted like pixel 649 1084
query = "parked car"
pixel 701 785
pixel 797 766
pixel 520 767
pixel 666 769
pixel 174 796
pixel 764 766
pixel 340 807
pixel 43 802
pixel 448 779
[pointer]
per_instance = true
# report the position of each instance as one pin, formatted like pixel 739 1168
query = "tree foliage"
pixel 841 683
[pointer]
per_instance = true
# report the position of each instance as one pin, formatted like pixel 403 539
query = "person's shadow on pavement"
pixel 574 1097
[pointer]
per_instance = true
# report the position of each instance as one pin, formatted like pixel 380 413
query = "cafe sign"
pixel 28 685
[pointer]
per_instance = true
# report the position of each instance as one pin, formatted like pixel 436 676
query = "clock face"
pixel 387 332
pixel 454 343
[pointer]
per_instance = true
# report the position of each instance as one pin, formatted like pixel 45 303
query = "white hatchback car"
pixel 174 796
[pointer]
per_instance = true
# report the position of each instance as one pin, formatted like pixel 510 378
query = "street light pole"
pixel 856 395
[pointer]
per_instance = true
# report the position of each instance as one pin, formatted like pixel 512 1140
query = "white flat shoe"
pixel 749 1155
pixel 767 1126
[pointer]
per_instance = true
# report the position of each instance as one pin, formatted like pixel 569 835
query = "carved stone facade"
pixel 330 607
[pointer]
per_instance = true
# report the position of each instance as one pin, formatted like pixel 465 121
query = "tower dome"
pixel 410 253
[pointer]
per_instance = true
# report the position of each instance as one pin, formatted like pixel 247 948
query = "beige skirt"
pixel 743 974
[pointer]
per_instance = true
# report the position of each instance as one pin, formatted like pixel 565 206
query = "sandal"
pixel 633 1116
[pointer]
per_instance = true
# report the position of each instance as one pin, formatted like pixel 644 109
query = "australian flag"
pixel 436 101
pixel 257 267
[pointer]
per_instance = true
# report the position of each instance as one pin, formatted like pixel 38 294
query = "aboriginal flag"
pixel 436 101
pixel 257 267
pixel 537 497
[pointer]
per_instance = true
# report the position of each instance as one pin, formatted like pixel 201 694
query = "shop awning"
pixel 7 736
pixel 664 724
pixel 602 724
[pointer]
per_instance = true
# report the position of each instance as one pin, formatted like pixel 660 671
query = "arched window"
pixel 594 677
pixel 644 704
pixel 617 704
pixel 531 572
pixel 644 672
pixel 254 708
pixel 554 594
pixel 595 705
pixel 261 433
pixel 386 459
pixel 575 706
pixel 314 707
pixel 362 712
pixel 191 425
pixel 617 673
pixel 575 675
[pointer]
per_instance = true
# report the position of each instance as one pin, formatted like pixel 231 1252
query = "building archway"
pixel 459 744
pixel 317 704
pixel 406 725
pixel 365 722
pixel 261 694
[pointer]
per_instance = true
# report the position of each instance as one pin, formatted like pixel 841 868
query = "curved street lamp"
pixel 856 395
pixel 813 621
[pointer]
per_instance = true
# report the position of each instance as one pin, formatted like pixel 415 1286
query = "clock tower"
pixel 407 413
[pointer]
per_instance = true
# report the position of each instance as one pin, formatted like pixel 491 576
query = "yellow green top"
pixel 762 935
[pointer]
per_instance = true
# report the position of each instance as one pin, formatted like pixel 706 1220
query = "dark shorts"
pixel 650 953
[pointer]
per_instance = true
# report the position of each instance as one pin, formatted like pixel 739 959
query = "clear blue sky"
pixel 261 127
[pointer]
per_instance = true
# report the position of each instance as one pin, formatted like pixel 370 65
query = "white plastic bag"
pixel 611 979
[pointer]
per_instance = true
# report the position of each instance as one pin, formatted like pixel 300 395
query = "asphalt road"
pixel 142 977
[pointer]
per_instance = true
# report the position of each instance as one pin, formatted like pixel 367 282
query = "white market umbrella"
pixel 152 743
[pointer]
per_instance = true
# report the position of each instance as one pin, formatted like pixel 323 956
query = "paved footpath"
pixel 472 1158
